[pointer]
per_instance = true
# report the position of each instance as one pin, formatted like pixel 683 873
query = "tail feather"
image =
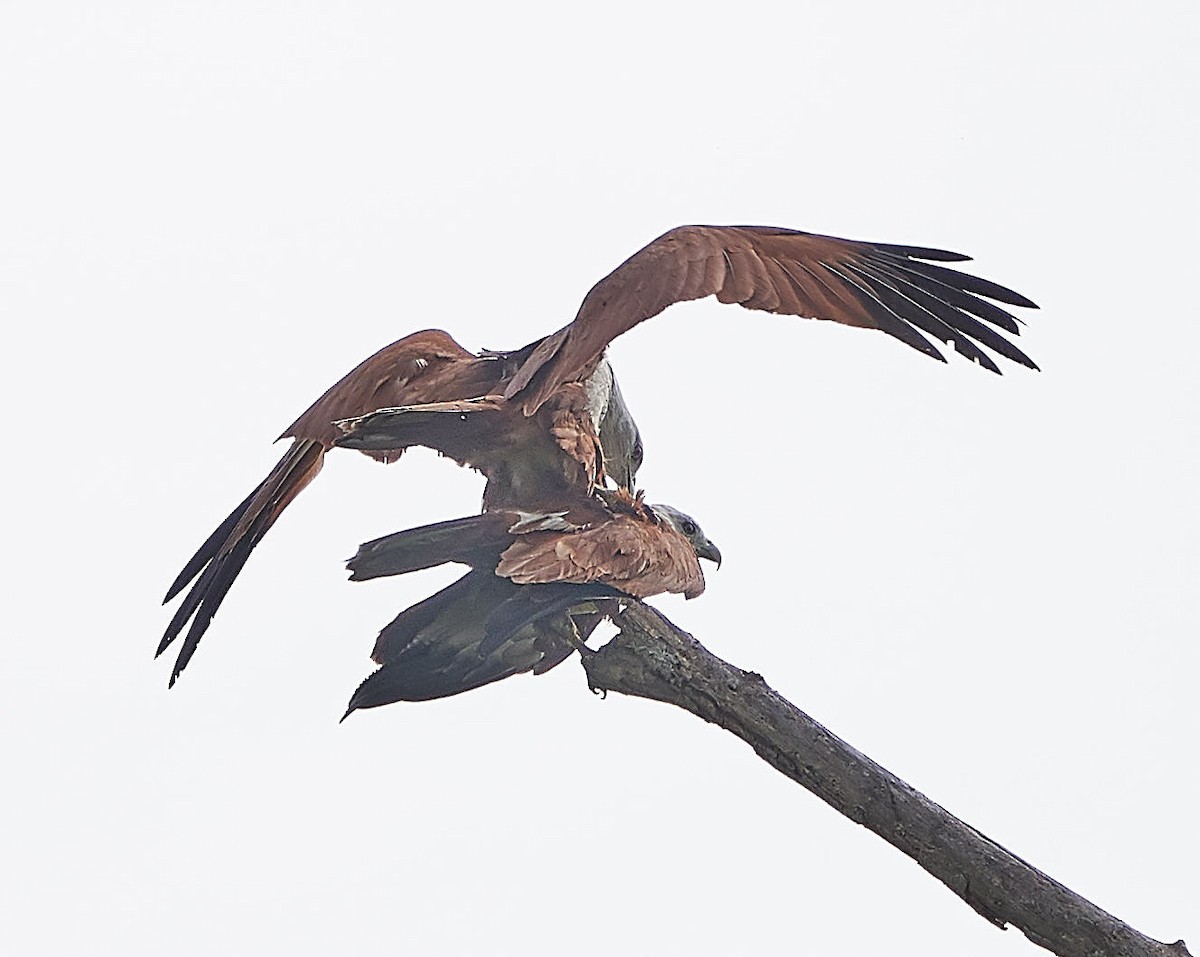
pixel 221 558
pixel 476 540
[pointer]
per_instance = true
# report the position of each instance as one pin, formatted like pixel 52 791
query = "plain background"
pixel 211 211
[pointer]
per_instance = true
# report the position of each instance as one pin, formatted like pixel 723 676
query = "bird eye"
pixel 689 528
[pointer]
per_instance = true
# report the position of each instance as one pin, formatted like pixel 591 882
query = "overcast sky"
pixel 210 212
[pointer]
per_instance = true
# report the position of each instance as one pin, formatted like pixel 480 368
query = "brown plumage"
pixel 533 429
pixel 636 553
pixel 872 285
pixel 540 582
pixel 616 539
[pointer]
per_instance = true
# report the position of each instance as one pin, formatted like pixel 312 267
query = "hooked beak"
pixel 710 551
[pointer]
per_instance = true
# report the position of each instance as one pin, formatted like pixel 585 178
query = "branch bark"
pixel 651 658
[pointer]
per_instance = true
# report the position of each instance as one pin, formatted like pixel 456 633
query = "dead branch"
pixel 651 658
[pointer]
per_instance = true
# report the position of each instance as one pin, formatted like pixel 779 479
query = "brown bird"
pixel 541 581
pixel 535 421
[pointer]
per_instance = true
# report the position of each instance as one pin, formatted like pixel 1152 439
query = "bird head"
pixel 618 432
pixel 690 529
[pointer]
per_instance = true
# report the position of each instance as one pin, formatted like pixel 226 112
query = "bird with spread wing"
pixel 536 421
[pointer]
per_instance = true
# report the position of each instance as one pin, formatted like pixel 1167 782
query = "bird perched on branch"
pixel 548 418
pixel 540 582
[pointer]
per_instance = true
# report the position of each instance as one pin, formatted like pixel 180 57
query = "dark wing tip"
pixel 923 252
pixel 980 286
pixel 921 306
pixel 914 252
pixel 212 545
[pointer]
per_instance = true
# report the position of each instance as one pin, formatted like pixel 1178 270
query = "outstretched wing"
pixel 418 368
pixel 898 289
pixel 427 366
pixel 221 558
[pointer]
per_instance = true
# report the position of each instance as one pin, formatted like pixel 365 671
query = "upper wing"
pixel 639 557
pixel 427 366
pixel 217 563
pixel 872 285
pixel 417 368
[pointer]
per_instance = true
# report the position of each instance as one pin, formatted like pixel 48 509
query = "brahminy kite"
pixel 540 583
pixel 532 420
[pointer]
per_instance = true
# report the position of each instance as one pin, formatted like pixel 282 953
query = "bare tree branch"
pixel 651 658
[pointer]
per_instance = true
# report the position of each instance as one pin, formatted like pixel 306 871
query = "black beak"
pixel 710 551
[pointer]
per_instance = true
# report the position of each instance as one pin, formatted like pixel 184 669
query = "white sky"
pixel 209 212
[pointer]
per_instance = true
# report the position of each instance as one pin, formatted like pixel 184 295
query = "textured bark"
pixel 651 658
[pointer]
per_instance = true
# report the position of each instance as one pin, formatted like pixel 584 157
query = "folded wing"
pixel 436 648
